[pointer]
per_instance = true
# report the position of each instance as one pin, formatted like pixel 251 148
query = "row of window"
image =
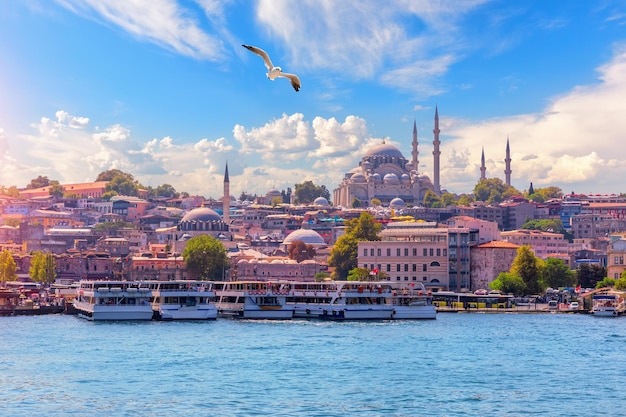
pixel 402 267
pixel 405 252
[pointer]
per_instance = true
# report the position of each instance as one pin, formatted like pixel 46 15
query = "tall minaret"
pixel 483 168
pixel 226 198
pixel 415 152
pixel 436 153
pixel 507 163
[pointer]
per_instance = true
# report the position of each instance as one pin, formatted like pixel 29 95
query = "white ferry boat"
pixel 113 300
pixel 412 303
pixel 351 300
pixel 251 300
pixel 183 300
pixel 608 305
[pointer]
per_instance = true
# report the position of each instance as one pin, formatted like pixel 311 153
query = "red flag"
pixel 578 289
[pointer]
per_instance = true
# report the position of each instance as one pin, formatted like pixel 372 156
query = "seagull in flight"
pixel 273 71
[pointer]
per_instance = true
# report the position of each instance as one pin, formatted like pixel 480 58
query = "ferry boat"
pixel 412 303
pixel 608 305
pixel 113 300
pixel 340 300
pixel 251 300
pixel 183 300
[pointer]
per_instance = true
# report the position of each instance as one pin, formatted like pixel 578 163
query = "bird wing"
pixel 260 52
pixel 295 81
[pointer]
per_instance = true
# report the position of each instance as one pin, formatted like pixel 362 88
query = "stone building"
pixel 488 260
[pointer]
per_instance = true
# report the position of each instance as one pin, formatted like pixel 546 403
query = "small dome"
pixel 273 193
pixel 391 177
pixel 357 178
pixel 201 214
pixel 384 149
pixel 397 203
pixel 376 176
pixel 308 236
pixel 321 201
pixel 404 177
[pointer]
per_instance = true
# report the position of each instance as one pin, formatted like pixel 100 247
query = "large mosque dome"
pixel 384 149
pixel 308 236
pixel 201 214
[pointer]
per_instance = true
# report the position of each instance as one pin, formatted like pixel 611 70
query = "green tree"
pixel 556 274
pixel 56 189
pixel 109 228
pixel 8 268
pixel 164 190
pixel 205 256
pixel 508 283
pixel 588 275
pixel 359 274
pixel 376 202
pixel 356 203
pixel 276 201
pixel 448 199
pixel 430 199
pixel 620 284
pixel 606 282
pixel 40 181
pixel 464 200
pixel 300 251
pixel 528 267
pixel 549 192
pixel 11 191
pixel 307 192
pixel 321 276
pixel 493 190
pixel 548 225
pixel 120 182
pixel 344 254
pixel 42 268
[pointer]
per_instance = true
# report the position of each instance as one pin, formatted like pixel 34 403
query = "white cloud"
pixel 405 44
pixel 571 144
pixel 163 22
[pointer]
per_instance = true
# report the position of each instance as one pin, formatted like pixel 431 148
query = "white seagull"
pixel 272 71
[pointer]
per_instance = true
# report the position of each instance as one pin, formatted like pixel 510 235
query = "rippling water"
pixel 457 365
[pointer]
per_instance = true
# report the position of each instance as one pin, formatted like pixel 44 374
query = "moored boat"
pixel 608 305
pixel 113 300
pixel 412 304
pixel 183 300
pixel 251 300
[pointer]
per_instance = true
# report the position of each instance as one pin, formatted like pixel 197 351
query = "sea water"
pixel 457 365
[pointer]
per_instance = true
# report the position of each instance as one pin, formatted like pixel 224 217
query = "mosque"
pixel 384 173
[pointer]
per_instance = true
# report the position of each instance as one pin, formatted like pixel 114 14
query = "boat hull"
pixel 207 312
pixel 114 313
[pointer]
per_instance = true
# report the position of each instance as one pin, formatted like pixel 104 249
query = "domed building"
pixel 202 221
pixel 308 236
pixel 384 173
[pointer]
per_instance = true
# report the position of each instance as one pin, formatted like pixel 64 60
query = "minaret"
pixel 436 154
pixel 415 152
pixel 483 168
pixel 226 198
pixel 507 163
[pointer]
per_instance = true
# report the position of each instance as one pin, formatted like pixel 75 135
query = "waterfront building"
pixel 616 256
pixel 409 252
pixel 593 226
pixel 543 244
pixel 487 230
pixel 488 260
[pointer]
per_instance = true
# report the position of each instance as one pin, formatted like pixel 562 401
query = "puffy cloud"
pixel 570 144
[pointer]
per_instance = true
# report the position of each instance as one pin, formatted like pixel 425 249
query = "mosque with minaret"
pixel 385 174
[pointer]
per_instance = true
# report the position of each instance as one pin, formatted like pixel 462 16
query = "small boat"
pixel 608 305
pixel 251 300
pixel 413 304
pixel 183 300
pixel 113 300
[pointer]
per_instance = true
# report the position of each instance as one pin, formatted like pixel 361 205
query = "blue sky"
pixel 164 90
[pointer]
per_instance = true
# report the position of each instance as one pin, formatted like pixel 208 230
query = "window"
pixel 397 251
pixel 406 251
pixel 365 252
pixel 406 267
pixel 438 251
pixel 398 268
pixel 431 252
pixel 388 252
pixel 414 267
pixel 388 268
pixel 414 251
pixel 372 252
pixel 425 252
pixel 378 251
pixel 424 267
